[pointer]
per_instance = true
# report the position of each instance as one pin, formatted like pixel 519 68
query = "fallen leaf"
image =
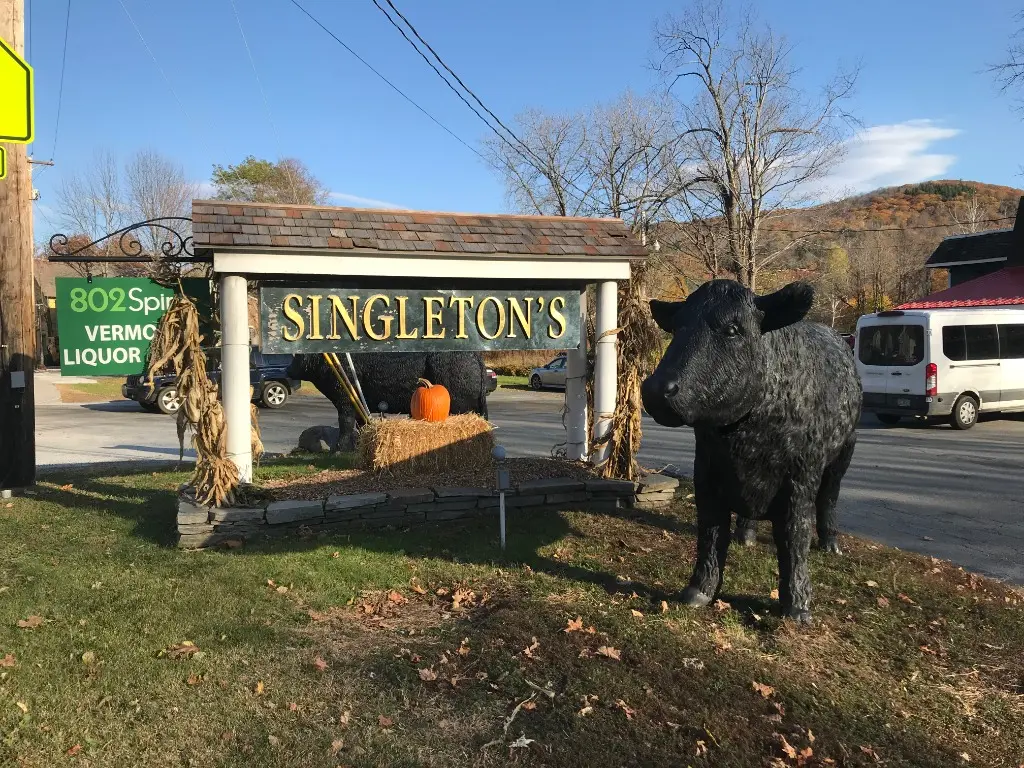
pixel 31 622
pixel 871 584
pixel 97 584
pixel 765 690
pixel 965 757
pixel 528 651
pixel 810 735
pixel 274 741
pixel 320 664
pixel 625 708
pixel 337 745
pixel 585 711
pixel 883 602
pixel 702 748
pixel 88 657
pixel 664 606
pixel 7 661
pixel 464 647
pixel 529 705
pixel 611 653
pixel 282 589
pixel 67 487
pixel 345 716
pixel 182 650
pixel 397 598
pixel 22 706
pixel 521 742
pixel 260 689
pixel 74 750
pixel 385 722
pixel 787 748
pixel 774 594
pixel 574 625
pixel 869 752
pixel 335 555
pixel 194 679
pixel 428 675
pixel 806 754
pixel 906 599
pixel 636 614
pixel 721 605
pixel 415 587
pixel 461 596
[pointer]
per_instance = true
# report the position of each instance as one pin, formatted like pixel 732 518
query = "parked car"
pixel 267 374
pixel 949 363
pixel 550 375
pixel 492 380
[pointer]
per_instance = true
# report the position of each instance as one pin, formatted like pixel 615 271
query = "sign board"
pixel 343 319
pixel 105 325
pixel 16 107
pixel 3 163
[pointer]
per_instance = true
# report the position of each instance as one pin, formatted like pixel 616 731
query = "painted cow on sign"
pixel 774 403
pixel 388 380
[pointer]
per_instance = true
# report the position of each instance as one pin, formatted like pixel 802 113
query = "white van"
pixel 941 362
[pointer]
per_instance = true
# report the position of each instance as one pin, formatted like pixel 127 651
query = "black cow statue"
pixel 774 403
pixel 388 380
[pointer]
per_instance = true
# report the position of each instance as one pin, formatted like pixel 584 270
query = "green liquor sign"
pixel 105 325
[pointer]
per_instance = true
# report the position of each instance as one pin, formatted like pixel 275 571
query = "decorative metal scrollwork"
pixel 175 246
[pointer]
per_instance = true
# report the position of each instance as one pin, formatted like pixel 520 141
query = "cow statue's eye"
pixel 731 330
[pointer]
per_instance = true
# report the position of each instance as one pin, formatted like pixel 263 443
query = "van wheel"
pixel 888 418
pixel 965 412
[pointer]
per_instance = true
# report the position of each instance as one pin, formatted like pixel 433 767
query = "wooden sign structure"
pixel 356 280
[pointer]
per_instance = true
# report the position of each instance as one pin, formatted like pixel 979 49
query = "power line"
pixel 155 62
pixel 60 91
pixel 394 87
pixel 263 93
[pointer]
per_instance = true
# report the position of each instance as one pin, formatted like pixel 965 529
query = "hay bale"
pixel 414 446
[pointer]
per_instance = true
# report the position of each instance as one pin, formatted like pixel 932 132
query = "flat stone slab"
pixel 657 482
pixel 573 497
pixel 279 512
pixel 238 515
pixel 351 501
pixel 446 492
pixel 444 506
pixel 409 496
pixel 601 485
pixel 190 514
pixel 551 485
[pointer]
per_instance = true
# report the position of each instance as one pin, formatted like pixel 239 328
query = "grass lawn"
pixel 423 647
pixel 514 382
pixel 101 390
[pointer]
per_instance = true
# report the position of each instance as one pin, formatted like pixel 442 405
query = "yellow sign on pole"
pixel 3 163
pixel 16 108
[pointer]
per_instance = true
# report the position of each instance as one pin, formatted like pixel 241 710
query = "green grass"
pixel 513 382
pixel 107 388
pixel 910 659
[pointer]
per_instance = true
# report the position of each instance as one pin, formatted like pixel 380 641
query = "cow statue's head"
pixel 713 371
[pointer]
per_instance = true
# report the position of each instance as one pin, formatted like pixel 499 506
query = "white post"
pixel 605 368
pixel 576 448
pixel 234 317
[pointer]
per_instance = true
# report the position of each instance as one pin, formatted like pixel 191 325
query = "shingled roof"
pixel 219 225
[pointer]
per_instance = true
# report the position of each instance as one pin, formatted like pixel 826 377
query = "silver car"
pixel 550 375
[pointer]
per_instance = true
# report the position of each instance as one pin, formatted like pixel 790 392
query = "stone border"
pixel 200 526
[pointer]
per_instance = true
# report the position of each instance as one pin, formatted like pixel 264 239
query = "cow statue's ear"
pixel 786 306
pixel 664 312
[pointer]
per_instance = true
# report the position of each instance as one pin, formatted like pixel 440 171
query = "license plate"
pixel 903 402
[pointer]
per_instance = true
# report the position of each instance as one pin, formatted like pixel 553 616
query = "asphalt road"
pixel 955 495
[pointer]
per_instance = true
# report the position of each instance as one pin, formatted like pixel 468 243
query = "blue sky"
pixel 928 108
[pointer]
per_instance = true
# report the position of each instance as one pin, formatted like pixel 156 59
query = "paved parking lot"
pixel 955 495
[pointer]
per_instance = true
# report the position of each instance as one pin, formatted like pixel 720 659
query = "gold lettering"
pixel 515 311
pixel 433 316
pixel 403 332
pixel 348 318
pixel 368 317
pixel 294 315
pixel 499 308
pixel 314 317
pixel 462 301
pixel 557 316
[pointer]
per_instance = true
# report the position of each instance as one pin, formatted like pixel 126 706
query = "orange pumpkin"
pixel 430 402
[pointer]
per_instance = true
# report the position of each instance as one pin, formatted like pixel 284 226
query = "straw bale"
pixel 412 445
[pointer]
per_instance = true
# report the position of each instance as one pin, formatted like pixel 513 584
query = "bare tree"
pixel 1010 73
pixel 968 214
pixel 756 144
pixel 91 203
pixel 158 187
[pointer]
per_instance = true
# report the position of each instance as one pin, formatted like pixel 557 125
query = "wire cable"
pixel 60 90
pixel 263 93
pixel 155 62
pixel 394 87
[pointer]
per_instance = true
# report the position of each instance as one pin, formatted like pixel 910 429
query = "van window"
pixel 954 343
pixel 982 342
pixel 1011 341
pixel 901 345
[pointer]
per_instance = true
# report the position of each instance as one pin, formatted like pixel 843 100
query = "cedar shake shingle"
pixel 226 225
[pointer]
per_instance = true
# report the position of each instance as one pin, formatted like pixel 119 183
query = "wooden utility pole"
pixel 17 295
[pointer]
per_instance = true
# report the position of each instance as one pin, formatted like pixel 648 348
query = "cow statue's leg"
pixel 828 495
pixel 791 529
pixel 746 531
pixel 714 523
pixel 346 427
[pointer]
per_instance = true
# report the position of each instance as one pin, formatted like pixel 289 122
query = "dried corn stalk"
pixel 177 344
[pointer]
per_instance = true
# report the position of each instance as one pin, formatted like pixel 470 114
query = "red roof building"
pixel 1001 288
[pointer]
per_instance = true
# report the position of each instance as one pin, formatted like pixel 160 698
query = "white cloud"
pixel 890 155
pixel 362 202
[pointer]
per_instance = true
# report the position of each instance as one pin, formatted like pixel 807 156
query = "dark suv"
pixel 267 373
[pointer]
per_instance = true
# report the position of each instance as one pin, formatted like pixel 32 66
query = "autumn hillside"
pixel 856 269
